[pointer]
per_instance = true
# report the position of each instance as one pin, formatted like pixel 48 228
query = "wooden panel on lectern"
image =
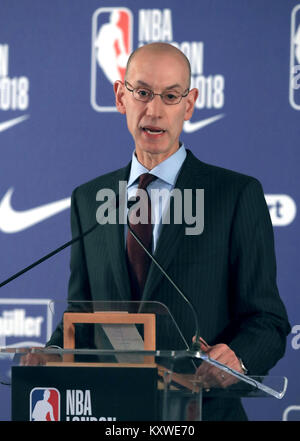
pixel 148 320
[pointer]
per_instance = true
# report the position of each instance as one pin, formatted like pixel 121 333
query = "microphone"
pixel 196 344
pixel 62 247
pixel 58 250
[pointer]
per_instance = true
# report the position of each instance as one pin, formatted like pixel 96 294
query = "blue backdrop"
pixel 59 128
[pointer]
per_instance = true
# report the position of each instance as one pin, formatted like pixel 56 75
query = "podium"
pixel 116 365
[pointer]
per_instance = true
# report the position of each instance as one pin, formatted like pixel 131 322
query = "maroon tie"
pixel 137 259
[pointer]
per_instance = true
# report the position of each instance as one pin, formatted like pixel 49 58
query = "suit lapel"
pixel 192 176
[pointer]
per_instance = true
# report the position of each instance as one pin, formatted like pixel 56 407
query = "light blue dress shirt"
pixel 167 173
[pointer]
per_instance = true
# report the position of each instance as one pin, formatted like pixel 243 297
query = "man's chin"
pixel 156 148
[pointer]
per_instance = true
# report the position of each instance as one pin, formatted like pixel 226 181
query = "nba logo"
pixel 295 59
pixel 44 404
pixel 111 47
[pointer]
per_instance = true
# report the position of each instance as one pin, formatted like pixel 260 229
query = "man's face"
pixel 156 126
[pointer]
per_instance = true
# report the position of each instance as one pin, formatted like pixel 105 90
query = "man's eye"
pixel 171 96
pixel 143 93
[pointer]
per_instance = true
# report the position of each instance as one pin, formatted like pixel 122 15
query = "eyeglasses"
pixel 147 95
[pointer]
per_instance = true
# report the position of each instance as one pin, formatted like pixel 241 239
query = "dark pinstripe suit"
pixel 228 272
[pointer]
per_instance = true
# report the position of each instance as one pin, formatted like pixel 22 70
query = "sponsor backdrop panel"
pixel 59 128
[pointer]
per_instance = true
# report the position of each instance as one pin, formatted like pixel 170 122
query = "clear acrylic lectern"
pixel 133 362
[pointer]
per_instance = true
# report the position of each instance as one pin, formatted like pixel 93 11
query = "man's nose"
pixel 155 107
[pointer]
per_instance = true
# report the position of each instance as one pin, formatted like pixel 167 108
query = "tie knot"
pixel 145 179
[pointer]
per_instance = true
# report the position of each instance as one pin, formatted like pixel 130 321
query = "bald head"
pixel 160 49
pixel 156 73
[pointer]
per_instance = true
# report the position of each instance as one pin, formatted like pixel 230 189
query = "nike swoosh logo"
pixel 190 127
pixel 12 221
pixel 12 122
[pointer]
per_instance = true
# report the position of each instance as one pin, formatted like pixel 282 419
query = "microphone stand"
pixel 67 244
pixel 196 344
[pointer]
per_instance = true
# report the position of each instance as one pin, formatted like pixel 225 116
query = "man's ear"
pixel 119 94
pixel 190 103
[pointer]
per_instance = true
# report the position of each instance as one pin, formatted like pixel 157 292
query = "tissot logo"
pixel 112 36
pixel 282 208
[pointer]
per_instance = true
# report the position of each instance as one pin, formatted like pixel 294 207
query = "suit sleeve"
pixel 79 288
pixel 261 324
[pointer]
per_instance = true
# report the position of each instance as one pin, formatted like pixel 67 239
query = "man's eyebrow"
pixel 174 86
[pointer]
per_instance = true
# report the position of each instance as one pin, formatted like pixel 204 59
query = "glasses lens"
pixel 142 94
pixel 171 98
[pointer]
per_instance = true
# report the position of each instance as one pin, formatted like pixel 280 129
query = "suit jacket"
pixel 228 272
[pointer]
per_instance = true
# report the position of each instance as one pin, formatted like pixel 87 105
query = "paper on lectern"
pixel 125 337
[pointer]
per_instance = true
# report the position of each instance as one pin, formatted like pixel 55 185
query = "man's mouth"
pixel 153 130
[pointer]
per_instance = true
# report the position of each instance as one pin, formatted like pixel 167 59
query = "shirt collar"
pixel 167 170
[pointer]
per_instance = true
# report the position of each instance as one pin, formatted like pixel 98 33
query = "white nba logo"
pixel 111 47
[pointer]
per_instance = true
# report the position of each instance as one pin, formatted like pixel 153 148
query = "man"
pixel 228 272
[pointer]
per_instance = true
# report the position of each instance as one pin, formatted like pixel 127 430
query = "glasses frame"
pixel 152 94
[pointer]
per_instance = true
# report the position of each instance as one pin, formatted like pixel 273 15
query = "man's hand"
pixel 211 376
pixel 38 358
